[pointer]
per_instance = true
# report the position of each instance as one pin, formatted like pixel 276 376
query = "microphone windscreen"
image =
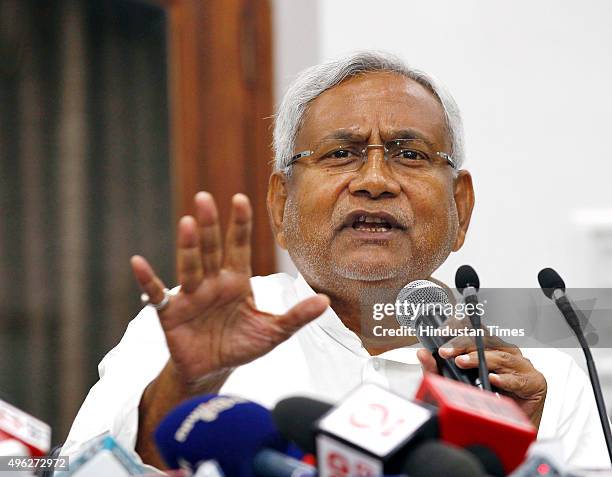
pixel 465 277
pixel 488 459
pixel 414 296
pixel 550 281
pixel 295 418
pixel 435 458
pixel 226 429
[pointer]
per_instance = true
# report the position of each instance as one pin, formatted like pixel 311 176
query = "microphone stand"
pixel 469 294
pixel 569 314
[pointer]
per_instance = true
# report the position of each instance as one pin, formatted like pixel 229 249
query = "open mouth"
pixel 372 222
pixel 369 223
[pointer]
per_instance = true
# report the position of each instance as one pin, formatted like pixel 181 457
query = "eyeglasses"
pixel 403 155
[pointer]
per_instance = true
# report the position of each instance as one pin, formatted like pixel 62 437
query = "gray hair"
pixel 317 79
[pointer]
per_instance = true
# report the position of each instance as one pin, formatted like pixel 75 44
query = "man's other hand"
pixel 509 371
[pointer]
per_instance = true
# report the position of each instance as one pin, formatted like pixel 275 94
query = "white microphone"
pixel 10 447
pixel 103 457
pixel 369 431
pixel 31 433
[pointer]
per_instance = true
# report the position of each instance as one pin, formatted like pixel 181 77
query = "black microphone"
pixel 434 458
pixel 468 284
pixel 553 287
pixel 489 460
pixel 424 299
pixel 296 418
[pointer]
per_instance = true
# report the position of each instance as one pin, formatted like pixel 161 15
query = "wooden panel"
pixel 220 72
pixel 257 71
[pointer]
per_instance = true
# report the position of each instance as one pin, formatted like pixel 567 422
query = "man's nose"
pixel 375 179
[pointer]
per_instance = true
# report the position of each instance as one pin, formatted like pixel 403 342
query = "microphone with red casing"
pixel 26 430
pixel 469 416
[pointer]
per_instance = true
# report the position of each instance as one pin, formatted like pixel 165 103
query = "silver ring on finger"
pixel 146 300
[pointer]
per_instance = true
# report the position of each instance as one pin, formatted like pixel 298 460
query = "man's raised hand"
pixel 212 325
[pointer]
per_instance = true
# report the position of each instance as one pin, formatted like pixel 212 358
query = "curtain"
pixel 84 184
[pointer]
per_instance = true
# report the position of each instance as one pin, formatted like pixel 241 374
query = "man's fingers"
pixel 428 363
pixel 147 280
pixel 237 255
pixel 456 346
pixel 466 344
pixel 517 384
pixel 497 361
pixel 509 372
pixel 303 313
pixel 189 261
pixel 209 232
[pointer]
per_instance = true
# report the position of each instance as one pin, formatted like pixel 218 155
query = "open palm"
pixel 212 324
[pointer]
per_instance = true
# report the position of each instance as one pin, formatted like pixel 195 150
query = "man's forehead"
pixel 374 101
pixel 376 85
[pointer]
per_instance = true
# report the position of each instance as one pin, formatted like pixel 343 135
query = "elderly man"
pixel 366 194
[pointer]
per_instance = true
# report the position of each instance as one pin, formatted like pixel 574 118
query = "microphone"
pixel 370 433
pixel 104 456
pixel 16 425
pixel 434 458
pixel 421 299
pixel 468 284
pixel 538 466
pixel 296 419
pixel 271 463
pixel 489 460
pixel 553 287
pixel 227 429
pixel 543 460
pixel 208 468
pixel 469 416
pixel 12 447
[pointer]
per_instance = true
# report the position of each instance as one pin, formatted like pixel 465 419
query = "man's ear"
pixel 276 199
pixel 464 201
